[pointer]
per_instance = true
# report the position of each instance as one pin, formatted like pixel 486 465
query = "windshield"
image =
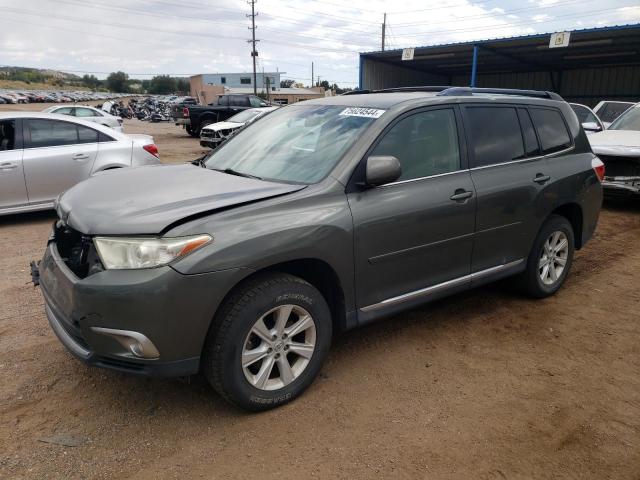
pixel 244 117
pixel 629 120
pixel 299 143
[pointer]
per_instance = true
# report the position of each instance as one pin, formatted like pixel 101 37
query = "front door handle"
pixel 540 178
pixel 8 166
pixel 461 195
pixel 80 156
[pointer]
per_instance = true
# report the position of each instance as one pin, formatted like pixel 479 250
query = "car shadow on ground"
pixel 623 205
pixel 29 217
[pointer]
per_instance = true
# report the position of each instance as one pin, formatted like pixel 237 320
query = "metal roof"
pixel 589 47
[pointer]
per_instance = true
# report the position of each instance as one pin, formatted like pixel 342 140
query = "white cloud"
pixel 194 36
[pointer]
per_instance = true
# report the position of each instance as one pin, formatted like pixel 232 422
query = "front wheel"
pixel 268 342
pixel 550 259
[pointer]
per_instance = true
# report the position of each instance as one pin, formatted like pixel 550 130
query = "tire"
pixel 192 132
pixel 255 307
pixel 538 281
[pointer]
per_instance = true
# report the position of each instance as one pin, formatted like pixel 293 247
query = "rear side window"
pixel 7 135
pixel 425 143
pixel 63 111
pixel 238 101
pixel 531 146
pixel 87 135
pixel 85 112
pixel 551 130
pixel 495 135
pixel 50 133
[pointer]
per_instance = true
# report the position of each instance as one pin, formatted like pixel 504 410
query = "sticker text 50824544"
pixel 362 112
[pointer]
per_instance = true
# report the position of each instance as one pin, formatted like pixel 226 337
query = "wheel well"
pixel 573 213
pixel 322 276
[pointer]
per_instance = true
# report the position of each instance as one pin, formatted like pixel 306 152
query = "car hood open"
pixel 146 200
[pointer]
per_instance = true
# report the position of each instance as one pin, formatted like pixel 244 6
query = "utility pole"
pixel 311 74
pixel 384 28
pixel 318 84
pixel 253 41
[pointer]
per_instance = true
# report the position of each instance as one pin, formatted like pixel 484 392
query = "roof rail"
pixel 468 91
pixel 424 88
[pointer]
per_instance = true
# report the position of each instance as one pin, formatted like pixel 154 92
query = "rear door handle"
pixel 540 178
pixel 80 156
pixel 8 166
pixel 460 195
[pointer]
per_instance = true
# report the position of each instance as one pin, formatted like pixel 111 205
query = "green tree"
pixel 91 81
pixel 162 85
pixel 184 85
pixel 287 83
pixel 118 82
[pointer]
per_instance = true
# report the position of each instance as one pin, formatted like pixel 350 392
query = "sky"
pixel 151 37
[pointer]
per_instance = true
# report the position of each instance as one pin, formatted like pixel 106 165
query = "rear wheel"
pixel 268 342
pixel 550 259
pixel 191 131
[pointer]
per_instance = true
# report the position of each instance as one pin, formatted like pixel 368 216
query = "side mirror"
pixel 591 127
pixel 382 170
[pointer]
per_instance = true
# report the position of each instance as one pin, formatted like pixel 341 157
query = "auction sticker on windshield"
pixel 362 112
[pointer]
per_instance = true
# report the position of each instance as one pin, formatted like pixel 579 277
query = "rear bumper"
pixel 171 310
pixel 622 188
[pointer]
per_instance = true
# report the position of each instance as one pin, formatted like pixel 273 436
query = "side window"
pixel 584 114
pixel 7 135
pixel 531 146
pixel 255 102
pixel 87 135
pixel 495 135
pixel 103 137
pixel 223 100
pixel 64 111
pixel 84 112
pixel 50 133
pixel 425 143
pixel 551 130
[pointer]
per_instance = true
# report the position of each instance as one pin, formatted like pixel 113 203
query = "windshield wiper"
pixel 231 171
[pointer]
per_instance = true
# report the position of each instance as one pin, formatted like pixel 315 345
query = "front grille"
pixel 77 250
pixel 206 134
pixel 616 166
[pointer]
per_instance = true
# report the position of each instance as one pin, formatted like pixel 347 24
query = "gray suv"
pixel 320 217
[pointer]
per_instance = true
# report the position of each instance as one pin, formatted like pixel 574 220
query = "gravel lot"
pixel 484 385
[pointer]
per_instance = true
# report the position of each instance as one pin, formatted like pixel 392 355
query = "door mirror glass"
pixel 591 127
pixel 382 170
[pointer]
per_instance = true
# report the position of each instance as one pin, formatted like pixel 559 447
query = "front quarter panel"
pixel 284 229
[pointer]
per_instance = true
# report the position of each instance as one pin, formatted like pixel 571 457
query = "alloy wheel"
pixel 278 347
pixel 553 259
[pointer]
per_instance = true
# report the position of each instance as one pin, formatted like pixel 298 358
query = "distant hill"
pixel 37 77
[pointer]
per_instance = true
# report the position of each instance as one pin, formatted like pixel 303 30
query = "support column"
pixel 474 66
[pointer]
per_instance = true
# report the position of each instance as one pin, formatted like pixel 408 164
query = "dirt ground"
pixel 484 385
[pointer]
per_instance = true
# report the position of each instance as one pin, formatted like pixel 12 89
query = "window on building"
pixel 223 79
pixel 245 80
pixel 551 129
pixel 496 136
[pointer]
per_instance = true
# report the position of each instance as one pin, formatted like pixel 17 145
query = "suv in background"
pixel 323 216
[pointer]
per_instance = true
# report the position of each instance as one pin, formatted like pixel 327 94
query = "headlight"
pixel 125 253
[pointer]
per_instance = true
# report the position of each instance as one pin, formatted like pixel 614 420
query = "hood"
pixel 222 125
pixel 616 142
pixel 146 200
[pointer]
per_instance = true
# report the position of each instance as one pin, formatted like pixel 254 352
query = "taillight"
pixel 152 149
pixel 185 112
pixel 598 167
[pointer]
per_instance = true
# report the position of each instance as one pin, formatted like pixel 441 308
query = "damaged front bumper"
pixel 621 186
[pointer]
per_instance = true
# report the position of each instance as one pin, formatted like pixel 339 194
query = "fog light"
pixel 134 342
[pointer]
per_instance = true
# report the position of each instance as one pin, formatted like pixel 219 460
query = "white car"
pixel 619 148
pixel 609 110
pixel 88 113
pixel 212 135
pixel 44 154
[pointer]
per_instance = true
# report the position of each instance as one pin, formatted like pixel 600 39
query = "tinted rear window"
pixel 551 130
pixel 495 134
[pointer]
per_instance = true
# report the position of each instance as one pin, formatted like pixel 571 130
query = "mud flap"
pixel 35 272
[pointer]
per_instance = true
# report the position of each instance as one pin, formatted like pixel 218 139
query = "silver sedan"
pixel 88 113
pixel 42 155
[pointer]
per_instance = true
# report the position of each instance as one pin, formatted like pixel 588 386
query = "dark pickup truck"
pixel 194 117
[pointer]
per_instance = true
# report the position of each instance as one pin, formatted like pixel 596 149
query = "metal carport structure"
pixel 598 63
